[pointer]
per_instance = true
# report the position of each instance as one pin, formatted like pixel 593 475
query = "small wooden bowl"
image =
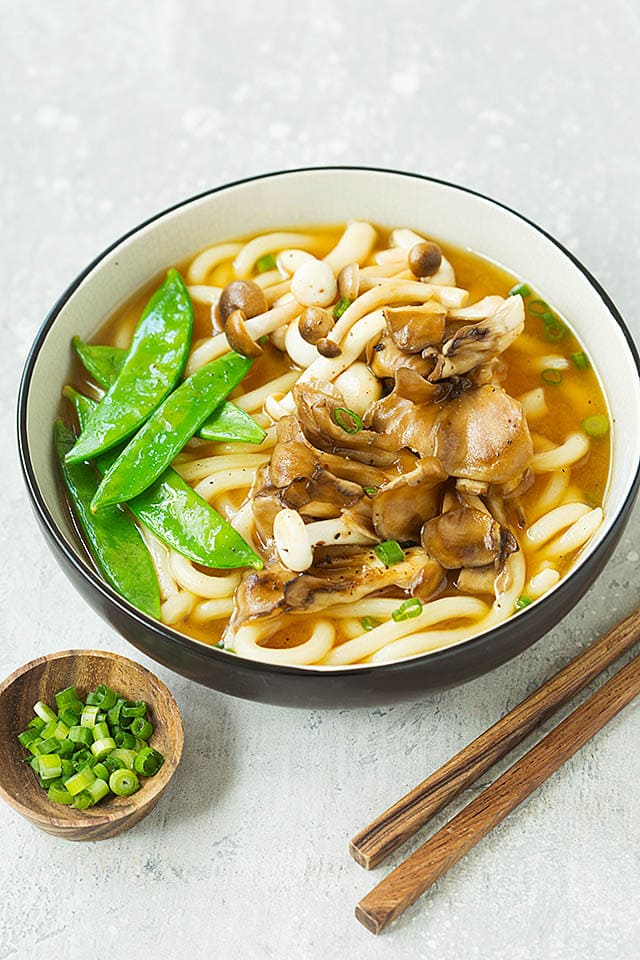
pixel 85 669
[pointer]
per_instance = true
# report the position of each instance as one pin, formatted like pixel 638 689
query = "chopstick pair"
pixel 428 863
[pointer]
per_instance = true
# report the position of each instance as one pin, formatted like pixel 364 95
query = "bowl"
pixel 40 680
pixel 298 198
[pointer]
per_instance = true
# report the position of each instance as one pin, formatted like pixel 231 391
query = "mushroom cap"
pixel 425 258
pixel 238 335
pixel 242 295
pixel 315 323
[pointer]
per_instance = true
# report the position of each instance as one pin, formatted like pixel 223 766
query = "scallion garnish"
pixel 75 753
pixel 581 360
pixel 268 262
pixel 370 491
pixel 369 623
pixel 520 288
pixel 552 377
pixel 347 420
pixel 408 610
pixel 554 331
pixel 537 308
pixel 389 552
pixel 341 307
pixel 523 602
pixel 596 426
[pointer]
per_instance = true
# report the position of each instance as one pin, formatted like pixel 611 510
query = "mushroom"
pixel 429 581
pixel 425 258
pixel 313 284
pixel 477 579
pixel 467 537
pixel 402 506
pixel 386 359
pixel 239 337
pixel 315 324
pixel 478 342
pixel 359 387
pixel 288 261
pixel 295 540
pixel 414 328
pixel 328 348
pixel 242 295
pixel 348 282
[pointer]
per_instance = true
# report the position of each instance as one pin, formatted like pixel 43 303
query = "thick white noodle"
pixel 223 480
pixel 354 246
pixel 552 523
pixel 177 607
pixel 203 294
pixel 395 255
pixel 213 610
pixel 204 263
pixel 541 582
pixel 215 347
pixel 160 557
pixel 243 521
pixel 553 493
pixel 272 243
pixel 551 362
pixel 195 470
pixel 534 404
pixel 575 447
pixel 576 536
pixel 202 584
pixel 246 643
pixel 255 398
pixel 268 278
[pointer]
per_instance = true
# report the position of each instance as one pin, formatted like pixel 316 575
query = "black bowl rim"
pixel 196 646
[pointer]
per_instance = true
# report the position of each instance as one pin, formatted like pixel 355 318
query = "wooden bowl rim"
pixel 152 788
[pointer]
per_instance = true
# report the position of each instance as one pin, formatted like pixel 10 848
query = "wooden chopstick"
pixel 418 872
pixel 389 830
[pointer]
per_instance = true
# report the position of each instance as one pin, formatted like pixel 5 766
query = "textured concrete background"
pixel 112 111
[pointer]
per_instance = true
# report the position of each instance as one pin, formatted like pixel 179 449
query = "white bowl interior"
pixel 330 196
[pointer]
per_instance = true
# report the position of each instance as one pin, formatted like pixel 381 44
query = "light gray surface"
pixel 111 112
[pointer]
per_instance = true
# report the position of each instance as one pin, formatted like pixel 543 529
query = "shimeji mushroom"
pixel 314 284
pixel 294 539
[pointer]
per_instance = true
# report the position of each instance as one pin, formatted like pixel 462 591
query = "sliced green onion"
pixel 93 699
pixel 101 771
pixel 61 731
pixel 50 745
pixel 98 790
pixel 66 748
pixel 103 747
pixel 141 728
pixel 49 766
pixel 68 769
pixel 523 602
pixel 268 262
pixel 520 288
pixel 100 731
pixel 89 716
pixel 148 762
pixel 552 376
pixel 538 308
pixel 389 552
pixel 127 757
pixel 581 360
pixel 369 623
pixel 113 715
pixel 347 420
pixel 596 425
pixel 27 737
pixel 49 730
pixel 125 739
pixel 69 717
pixel 36 724
pixel 80 734
pixel 134 708
pixel 44 712
pixel 341 307
pixel 113 763
pixel 123 783
pixel 83 758
pixel 76 706
pixel 66 696
pixel 34 746
pixel 58 793
pixel 408 610
pixel 80 781
pixel 108 697
pixel 370 491
pixel 83 801
pixel 554 331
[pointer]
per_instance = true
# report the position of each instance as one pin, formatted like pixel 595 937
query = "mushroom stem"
pixel 295 540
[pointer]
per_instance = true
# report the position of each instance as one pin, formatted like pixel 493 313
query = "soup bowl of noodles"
pixel 332 436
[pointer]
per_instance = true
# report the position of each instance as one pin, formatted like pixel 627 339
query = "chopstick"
pixel 417 873
pixel 401 820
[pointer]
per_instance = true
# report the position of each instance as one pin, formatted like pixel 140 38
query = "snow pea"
pixel 153 364
pixel 226 424
pixel 177 515
pixel 116 545
pixel 167 430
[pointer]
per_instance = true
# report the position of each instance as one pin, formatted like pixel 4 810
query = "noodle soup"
pixel 434 453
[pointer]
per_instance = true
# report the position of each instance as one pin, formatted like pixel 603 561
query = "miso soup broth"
pixel 434 456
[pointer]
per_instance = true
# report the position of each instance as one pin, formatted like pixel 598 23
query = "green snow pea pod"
pixel 177 515
pixel 167 430
pixel 226 424
pixel 116 545
pixel 153 364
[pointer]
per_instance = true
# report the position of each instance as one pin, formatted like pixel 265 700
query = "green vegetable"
pixel 369 623
pixel 113 537
pixel 167 430
pixel 581 360
pixel 552 377
pixel 554 331
pixel 408 610
pixel 153 364
pixel 347 420
pixel 80 781
pixel 102 748
pixel 141 728
pixel 66 697
pixel 523 602
pixel 126 757
pixel 134 708
pixel 83 800
pixel 389 552
pixel 49 766
pixel 226 424
pixel 538 308
pixel 80 734
pixel 596 425
pixel 44 712
pixel 27 737
pixel 520 288
pixel 89 716
pixel 268 262
pixel 106 697
pixel 370 491
pixel 148 761
pixel 58 793
pixel 123 783
pixel 341 307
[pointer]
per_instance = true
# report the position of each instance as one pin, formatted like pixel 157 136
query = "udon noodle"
pixel 435 458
